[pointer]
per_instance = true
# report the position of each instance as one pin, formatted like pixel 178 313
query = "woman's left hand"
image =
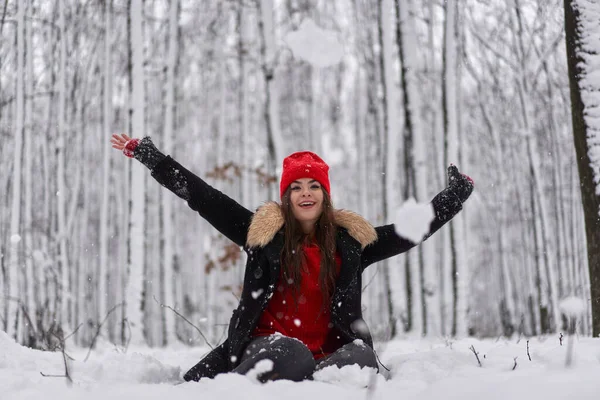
pixel 124 143
pixel 461 184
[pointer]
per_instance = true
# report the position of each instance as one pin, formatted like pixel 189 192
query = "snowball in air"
pixel 413 219
pixel 572 306
pixel 319 47
pixel 14 239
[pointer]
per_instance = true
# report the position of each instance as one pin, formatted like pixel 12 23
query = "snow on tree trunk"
pixel 167 208
pixel 102 274
pixel 14 326
pixel 136 259
pixel 582 27
pixel 269 67
pixel 421 265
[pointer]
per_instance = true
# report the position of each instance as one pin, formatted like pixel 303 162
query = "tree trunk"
pixel 419 263
pixel 526 121
pixel 168 136
pixel 583 54
pixel 391 130
pixel 136 259
pixel 30 281
pixel 269 67
pixel 452 155
pixel 102 274
pixel 13 325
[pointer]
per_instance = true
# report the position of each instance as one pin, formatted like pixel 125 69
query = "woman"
pixel 300 307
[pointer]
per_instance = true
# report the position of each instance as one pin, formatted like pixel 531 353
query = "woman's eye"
pixel 296 188
pixel 315 187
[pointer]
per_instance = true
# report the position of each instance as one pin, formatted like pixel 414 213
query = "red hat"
pixel 304 164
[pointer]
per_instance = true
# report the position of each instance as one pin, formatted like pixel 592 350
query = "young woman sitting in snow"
pixel 300 306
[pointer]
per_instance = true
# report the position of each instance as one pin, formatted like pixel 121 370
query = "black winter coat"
pixel 359 245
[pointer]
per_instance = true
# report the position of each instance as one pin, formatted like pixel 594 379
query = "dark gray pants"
pixel 292 360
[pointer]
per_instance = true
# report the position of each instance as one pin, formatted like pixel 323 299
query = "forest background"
pixel 389 92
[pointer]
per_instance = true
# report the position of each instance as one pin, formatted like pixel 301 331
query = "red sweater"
pixel 306 322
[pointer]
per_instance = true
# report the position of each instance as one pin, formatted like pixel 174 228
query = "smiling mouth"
pixel 307 204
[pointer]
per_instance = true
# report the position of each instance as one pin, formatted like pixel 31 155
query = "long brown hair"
pixel 292 255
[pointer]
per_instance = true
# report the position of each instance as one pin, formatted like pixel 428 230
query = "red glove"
pixel 469 179
pixel 130 146
pixel 460 184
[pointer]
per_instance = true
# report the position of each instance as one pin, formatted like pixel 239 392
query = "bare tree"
pixel 583 53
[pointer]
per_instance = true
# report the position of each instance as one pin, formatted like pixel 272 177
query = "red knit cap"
pixel 304 164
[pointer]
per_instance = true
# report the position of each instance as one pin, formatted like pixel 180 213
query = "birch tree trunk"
pixel 417 266
pixel 582 27
pixel 269 67
pixel 136 258
pixel 390 134
pixel 168 135
pixel 30 281
pixel 13 325
pixel 451 150
pixel 65 298
pixel 102 274
pixel 244 106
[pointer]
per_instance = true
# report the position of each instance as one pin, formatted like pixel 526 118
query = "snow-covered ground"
pixel 421 369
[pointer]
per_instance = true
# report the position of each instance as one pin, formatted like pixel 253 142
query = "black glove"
pixel 146 153
pixel 459 184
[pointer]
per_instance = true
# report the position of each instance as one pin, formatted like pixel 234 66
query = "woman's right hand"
pixel 124 143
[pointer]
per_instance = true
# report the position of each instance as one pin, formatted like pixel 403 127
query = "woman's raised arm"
pixel 446 205
pixel 225 214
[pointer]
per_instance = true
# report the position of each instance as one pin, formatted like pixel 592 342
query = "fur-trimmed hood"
pixel 268 220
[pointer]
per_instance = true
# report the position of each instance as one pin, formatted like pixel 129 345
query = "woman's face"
pixel 306 198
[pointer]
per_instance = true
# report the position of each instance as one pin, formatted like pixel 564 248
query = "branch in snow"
pixel 66 357
pixel 186 320
pixel 515 366
pixel 528 355
pixel 472 348
pixel 99 329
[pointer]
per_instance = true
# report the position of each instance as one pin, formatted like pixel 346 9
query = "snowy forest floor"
pixel 421 369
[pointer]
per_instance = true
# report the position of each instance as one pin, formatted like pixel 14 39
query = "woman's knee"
pixel 290 358
pixel 350 354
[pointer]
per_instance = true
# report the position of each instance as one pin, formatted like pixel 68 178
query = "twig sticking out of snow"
pixel 528 355
pixel 186 320
pixel 472 348
pixel 65 356
pixel 93 343
pixel 515 366
pixel 560 338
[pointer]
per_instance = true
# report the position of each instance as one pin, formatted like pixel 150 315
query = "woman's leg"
pixel 291 359
pixel 349 354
